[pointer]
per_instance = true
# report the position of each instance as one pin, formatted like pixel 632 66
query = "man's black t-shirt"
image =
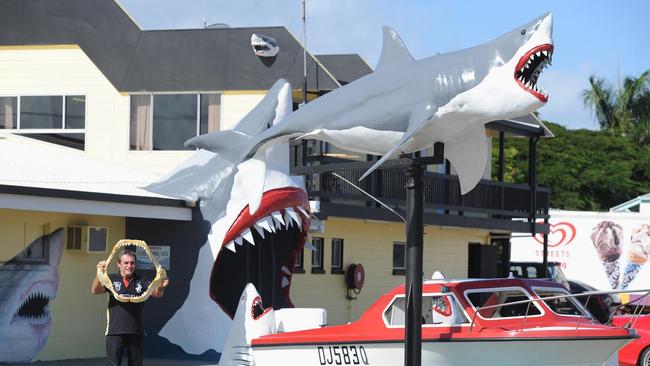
pixel 126 317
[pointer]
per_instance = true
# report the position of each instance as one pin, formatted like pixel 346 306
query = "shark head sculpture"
pixel 259 220
pixel 264 46
pixel 406 105
pixel 26 290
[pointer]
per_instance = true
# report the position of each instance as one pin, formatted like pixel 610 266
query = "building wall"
pixel 66 70
pixel 371 244
pixel 78 317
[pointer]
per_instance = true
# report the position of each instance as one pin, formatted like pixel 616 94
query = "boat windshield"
pixel 560 306
pixel 437 309
pixel 496 301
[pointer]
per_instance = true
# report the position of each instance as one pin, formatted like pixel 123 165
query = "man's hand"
pixel 101 265
pixel 97 288
pixel 161 290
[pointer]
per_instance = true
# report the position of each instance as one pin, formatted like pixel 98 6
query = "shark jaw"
pixel 261 248
pixel 529 68
pixel 34 310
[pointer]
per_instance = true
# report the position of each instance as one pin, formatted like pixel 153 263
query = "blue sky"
pixel 590 37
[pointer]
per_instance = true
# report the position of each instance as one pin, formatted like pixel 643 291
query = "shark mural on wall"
pixel 243 246
pixel 406 105
pixel 26 290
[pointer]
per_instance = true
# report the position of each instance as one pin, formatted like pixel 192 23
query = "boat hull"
pixel 502 352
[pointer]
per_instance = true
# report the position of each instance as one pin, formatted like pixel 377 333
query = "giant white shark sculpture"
pixel 260 248
pixel 406 105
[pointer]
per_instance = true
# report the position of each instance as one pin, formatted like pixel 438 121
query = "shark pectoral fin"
pixel 468 156
pixel 417 120
pixel 393 50
pixel 254 170
pixel 229 144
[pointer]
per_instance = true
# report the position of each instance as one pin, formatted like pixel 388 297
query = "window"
pixel 495 300
pixel 317 256
pixel 437 309
pixel 54 118
pixel 561 306
pixel 337 256
pixel 399 258
pixel 298 266
pixel 8 113
pixel 166 121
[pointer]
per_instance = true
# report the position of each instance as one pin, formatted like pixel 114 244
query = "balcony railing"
pixel 490 204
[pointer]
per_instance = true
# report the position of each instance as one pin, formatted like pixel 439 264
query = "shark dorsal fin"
pixel 393 51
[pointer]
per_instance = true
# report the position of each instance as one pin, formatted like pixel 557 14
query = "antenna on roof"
pixel 304 52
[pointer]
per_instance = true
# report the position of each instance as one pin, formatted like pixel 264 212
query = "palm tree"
pixel 625 111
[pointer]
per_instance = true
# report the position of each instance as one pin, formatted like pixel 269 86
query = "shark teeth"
pixel 528 73
pixel 283 219
pixel 35 309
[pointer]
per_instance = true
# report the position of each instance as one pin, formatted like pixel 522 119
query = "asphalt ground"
pixel 103 362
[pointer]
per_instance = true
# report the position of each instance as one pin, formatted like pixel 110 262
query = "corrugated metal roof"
pixel 158 60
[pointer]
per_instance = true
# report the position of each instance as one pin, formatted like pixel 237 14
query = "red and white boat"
pixel 465 322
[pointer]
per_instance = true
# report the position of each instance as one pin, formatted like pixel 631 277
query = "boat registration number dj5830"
pixel 342 355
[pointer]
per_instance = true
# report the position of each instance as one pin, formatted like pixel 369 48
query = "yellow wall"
pixel 78 317
pixel 66 70
pixel 371 244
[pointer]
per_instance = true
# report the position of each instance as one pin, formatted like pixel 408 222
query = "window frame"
pixel 299 264
pixel 339 269
pixel 397 271
pixel 457 305
pixel 497 289
pixel 318 252
pixel 150 125
pixel 573 300
pixel 27 131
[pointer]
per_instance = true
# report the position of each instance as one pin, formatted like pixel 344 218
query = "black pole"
pixel 414 231
pixel 545 260
pixel 502 149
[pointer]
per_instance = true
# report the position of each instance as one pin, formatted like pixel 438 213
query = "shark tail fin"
pixel 235 145
pixel 251 321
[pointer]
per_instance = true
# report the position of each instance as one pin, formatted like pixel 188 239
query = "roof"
pixel 633 205
pixel 528 125
pixel 158 60
pixel 345 67
pixel 49 177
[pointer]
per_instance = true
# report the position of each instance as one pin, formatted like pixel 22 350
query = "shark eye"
pixel 523 31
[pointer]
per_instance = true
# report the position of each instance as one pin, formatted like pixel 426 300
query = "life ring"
pixel 161 274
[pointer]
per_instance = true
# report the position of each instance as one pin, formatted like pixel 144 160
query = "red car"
pixel 638 351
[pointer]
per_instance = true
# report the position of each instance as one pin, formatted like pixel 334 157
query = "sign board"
pixel 162 254
pixel 596 248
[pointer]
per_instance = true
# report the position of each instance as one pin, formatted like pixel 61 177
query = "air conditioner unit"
pixel 91 239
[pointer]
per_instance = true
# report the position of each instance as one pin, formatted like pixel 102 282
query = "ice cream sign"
pixel 606 250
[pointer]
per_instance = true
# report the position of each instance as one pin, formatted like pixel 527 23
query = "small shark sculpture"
pixel 406 105
pixel 26 290
pixel 264 46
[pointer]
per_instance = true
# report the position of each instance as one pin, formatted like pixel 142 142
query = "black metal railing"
pixel 489 199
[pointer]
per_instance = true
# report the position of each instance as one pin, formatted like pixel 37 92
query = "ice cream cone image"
pixel 637 254
pixel 606 237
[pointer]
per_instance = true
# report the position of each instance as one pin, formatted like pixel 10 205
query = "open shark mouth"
pixel 257 309
pixel 530 66
pixel 262 249
pixel 34 310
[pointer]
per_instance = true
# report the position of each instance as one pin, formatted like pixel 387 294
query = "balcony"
pixel 490 205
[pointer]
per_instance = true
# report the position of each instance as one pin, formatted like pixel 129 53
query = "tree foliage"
pixel 624 112
pixel 585 170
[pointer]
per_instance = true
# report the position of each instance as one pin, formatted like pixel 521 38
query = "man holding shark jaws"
pixel 125 323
